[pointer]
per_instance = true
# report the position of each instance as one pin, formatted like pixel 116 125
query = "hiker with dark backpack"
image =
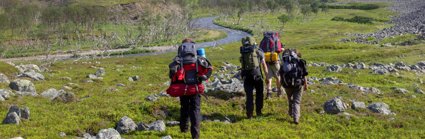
pixel 187 72
pixel 293 74
pixel 251 58
pixel 272 47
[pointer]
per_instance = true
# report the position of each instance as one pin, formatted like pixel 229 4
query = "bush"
pixel 356 19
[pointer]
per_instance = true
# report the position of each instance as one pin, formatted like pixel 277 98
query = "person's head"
pixel 187 40
pixel 293 50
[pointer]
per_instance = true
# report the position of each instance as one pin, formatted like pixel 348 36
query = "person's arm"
pixel 305 84
pixel 266 70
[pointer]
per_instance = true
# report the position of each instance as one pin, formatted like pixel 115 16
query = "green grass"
pixel 317 38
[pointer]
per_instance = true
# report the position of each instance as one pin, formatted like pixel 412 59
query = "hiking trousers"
pixel 190 109
pixel 294 95
pixel 249 85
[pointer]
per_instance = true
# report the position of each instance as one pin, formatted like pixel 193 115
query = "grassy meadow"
pixel 102 103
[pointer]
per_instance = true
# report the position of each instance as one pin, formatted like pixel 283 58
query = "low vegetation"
pixel 102 103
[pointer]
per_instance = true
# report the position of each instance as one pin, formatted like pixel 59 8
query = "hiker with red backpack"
pixel 272 47
pixel 293 74
pixel 188 71
pixel 251 60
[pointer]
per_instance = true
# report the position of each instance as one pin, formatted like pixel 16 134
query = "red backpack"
pixel 271 42
pixel 187 72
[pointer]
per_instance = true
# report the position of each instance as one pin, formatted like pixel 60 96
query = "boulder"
pixel 109 133
pixel 2 99
pixel 4 79
pixel 17 138
pixel 126 125
pixel 157 126
pixel 50 93
pixel 33 75
pixel 334 106
pixel 23 113
pixel 23 87
pixel 62 134
pixel 356 105
pixel 380 107
pixel 12 118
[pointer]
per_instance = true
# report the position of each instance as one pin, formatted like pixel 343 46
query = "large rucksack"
pixel 271 46
pixel 249 57
pixel 291 70
pixel 187 71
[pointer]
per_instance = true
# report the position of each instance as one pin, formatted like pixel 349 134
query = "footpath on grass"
pixel 200 23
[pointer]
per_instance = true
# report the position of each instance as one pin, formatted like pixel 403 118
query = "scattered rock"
pixel 12 118
pixel 62 134
pixel 369 90
pixel 400 90
pixel 334 106
pixel 28 67
pixel 25 113
pixel 50 93
pixel 2 99
pixel 334 68
pixel 419 91
pixel 173 123
pixel 142 127
pixel 100 72
pixel 121 85
pixel 23 87
pixel 166 137
pixel 17 138
pixel 380 107
pixel 109 133
pixel 4 93
pixel 88 136
pixel 356 105
pixel 94 77
pixel 152 98
pixel 126 125
pixel 66 97
pixel 66 78
pixel 157 126
pixel 331 81
pixel 4 79
pixel 33 75
pixel 133 78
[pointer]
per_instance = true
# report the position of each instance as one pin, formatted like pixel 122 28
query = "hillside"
pixel 344 66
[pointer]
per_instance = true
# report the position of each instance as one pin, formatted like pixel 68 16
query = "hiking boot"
pixel 279 93
pixel 269 94
pixel 259 113
pixel 249 115
pixel 296 121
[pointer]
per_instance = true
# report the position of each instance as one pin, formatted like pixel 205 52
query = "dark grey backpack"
pixel 187 52
pixel 291 69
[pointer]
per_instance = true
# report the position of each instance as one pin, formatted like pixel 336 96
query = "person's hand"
pixel 305 87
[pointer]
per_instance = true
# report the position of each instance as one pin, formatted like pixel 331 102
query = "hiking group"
pixel 190 68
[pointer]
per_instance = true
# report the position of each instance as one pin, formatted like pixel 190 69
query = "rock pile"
pixel 336 106
pixel 31 71
pixel 226 83
pixel 410 21
pixel 376 68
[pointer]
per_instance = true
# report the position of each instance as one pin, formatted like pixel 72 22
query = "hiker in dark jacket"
pixel 187 73
pixel 293 78
pixel 251 58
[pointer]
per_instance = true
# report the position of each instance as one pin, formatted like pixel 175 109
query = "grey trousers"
pixel 294 99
